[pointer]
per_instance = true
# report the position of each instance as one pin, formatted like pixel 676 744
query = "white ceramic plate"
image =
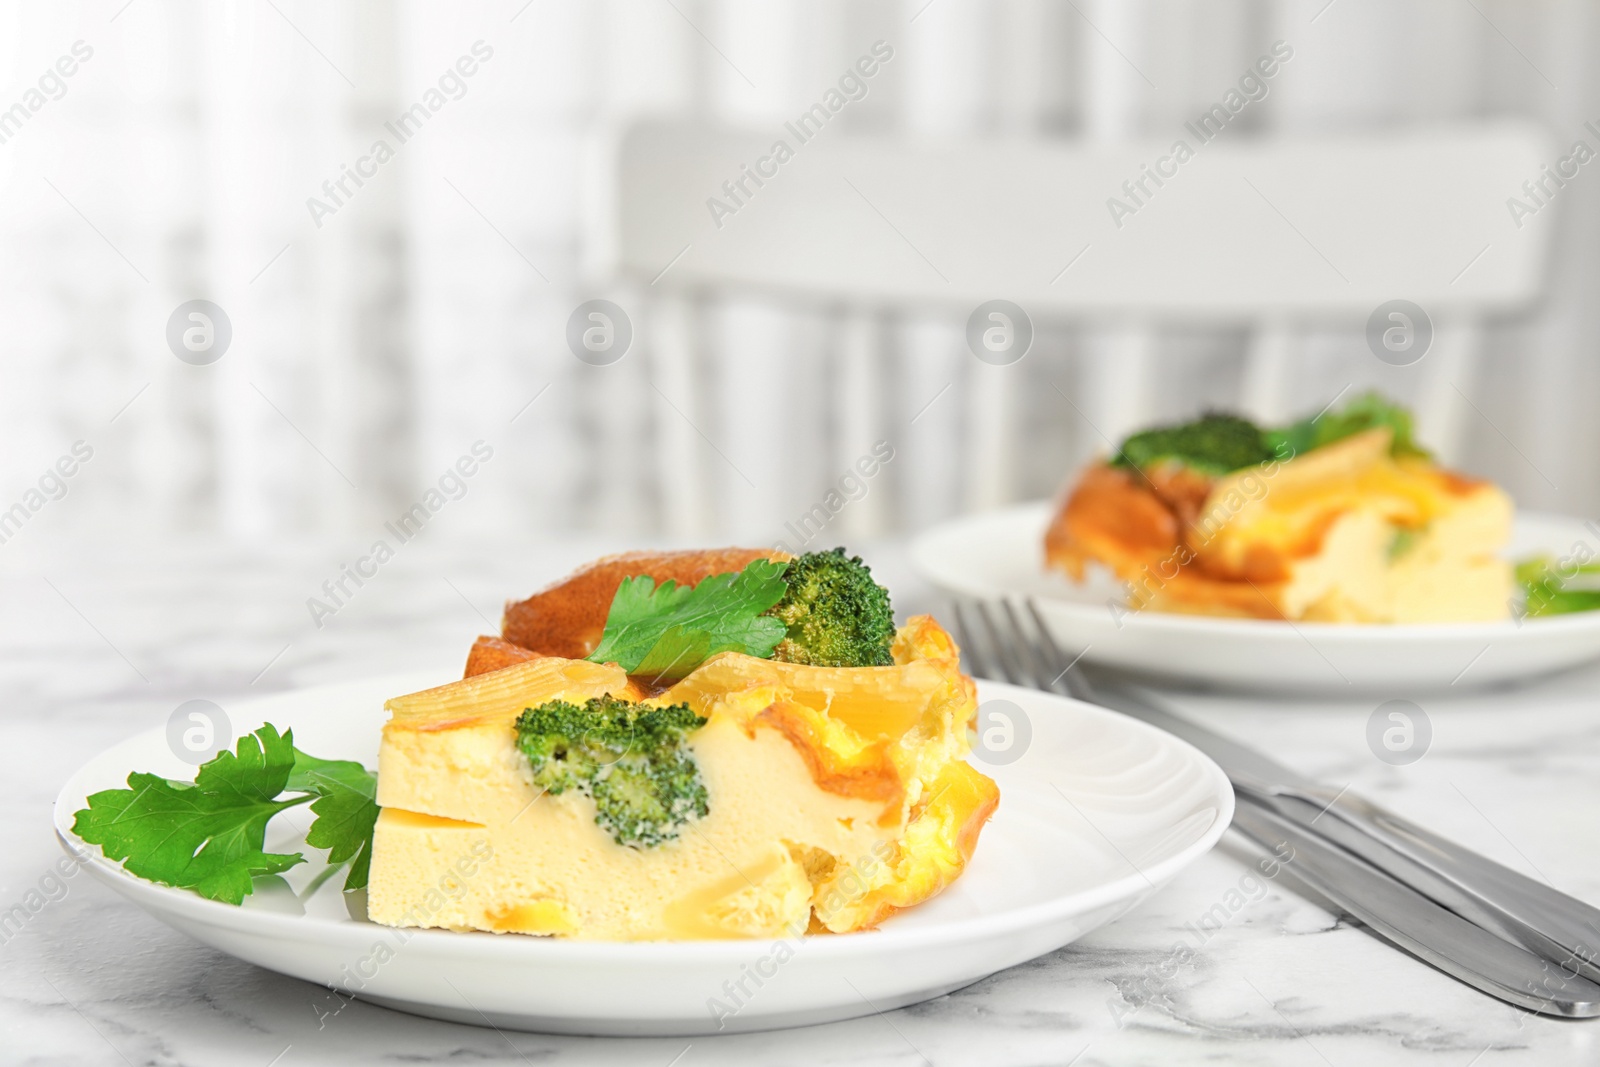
pixel 1097 813
pixel 1001 554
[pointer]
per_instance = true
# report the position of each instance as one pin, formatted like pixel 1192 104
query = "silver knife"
pixel 1479 893
pixel 1547 922
pixel 1410 920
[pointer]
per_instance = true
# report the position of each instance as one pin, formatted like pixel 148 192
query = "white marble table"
pixel 100 641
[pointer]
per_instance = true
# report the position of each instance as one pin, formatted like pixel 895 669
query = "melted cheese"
pixel 818 778
pixel 1342 534
pixel 1349 534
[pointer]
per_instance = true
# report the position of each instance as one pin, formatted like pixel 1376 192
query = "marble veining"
pixel 98 643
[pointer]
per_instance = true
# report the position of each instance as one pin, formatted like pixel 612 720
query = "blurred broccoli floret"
pixel 1213 444
pixel 836 614
pixel 1365 412
pixel 1219 444
pixel 634 760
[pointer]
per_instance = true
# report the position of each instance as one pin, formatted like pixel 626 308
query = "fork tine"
pixel 1001 653
pixel 976 660
pixel 1076 685
pixel 1029 654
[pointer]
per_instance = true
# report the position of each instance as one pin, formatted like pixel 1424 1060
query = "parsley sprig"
pixel 665 631
pixel 1558 587
pixel 209 835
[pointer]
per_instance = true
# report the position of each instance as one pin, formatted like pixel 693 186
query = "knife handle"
pixel 1552 924
pixel 1412 921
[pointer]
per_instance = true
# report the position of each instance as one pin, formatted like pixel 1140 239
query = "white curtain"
pixel 373 344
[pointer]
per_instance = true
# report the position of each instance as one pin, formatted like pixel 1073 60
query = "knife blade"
pixel 1406 918
pixel 1544 920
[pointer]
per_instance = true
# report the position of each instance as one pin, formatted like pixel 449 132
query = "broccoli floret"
pixel 1365 412
pixel 632 759
pixel 1213 444
pixel 1219 444
pixel 836 614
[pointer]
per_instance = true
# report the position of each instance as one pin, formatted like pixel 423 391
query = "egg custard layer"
pixel 1345 533
pixel 836 797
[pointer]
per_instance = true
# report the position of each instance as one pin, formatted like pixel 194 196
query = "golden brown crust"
pixel 568 618
pixel 1183 490
pixel 1195 593
pixel 988 803
pixel 492 654
pixel 1117 518
pixel 1111 517
pixel 1457 484
pixel 922 638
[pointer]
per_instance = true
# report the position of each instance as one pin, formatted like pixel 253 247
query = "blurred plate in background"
pixel 1001 554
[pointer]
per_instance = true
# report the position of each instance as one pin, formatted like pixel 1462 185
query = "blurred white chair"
pixel 1281 236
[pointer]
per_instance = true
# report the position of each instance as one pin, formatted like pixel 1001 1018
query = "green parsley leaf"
pixel 667 631
pixel 346 809
pixel 209 836
pixel 1558 587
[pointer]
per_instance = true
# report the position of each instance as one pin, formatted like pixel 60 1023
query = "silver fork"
pixel 1483 923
